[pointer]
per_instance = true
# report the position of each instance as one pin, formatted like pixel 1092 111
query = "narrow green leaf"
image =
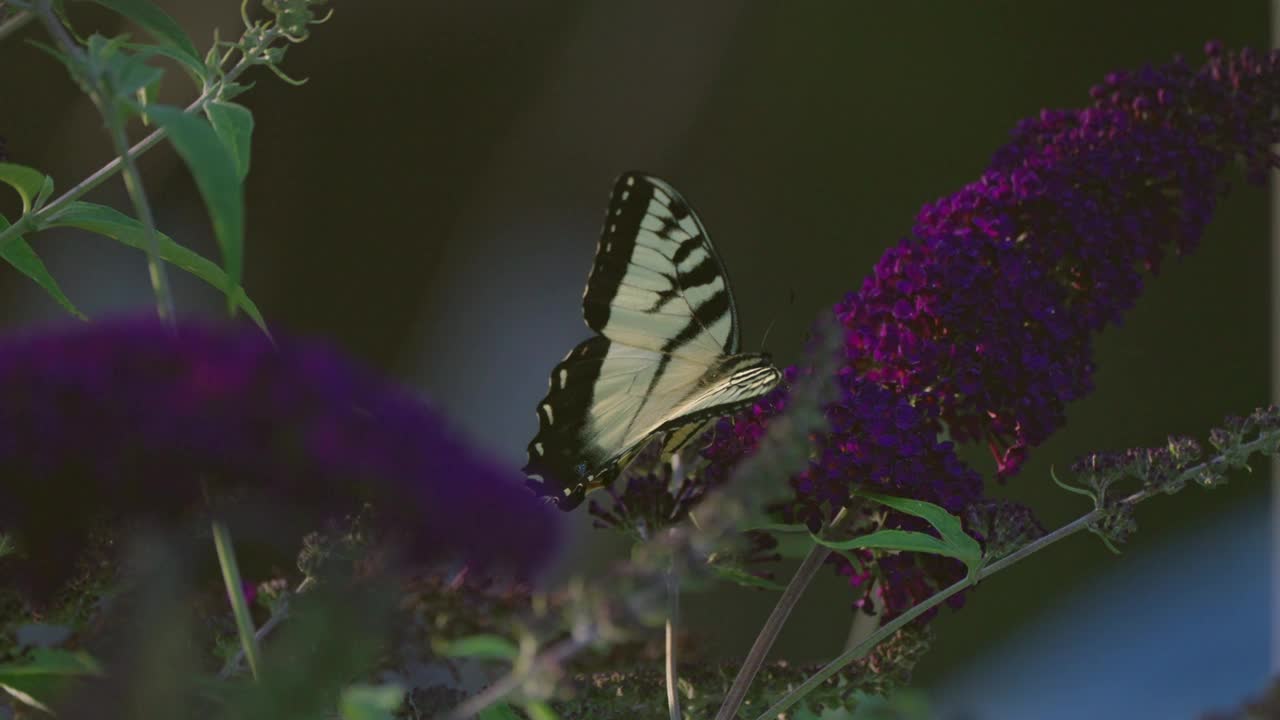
pixel 489 647
pixel 130 73
pixel 962 546
pixel 27 181
pixel 46 191
pixel 737 575
pixel 779 528
pixel 34 681
pixel 194 69
pixel 111 223
pixel 18 253
pixel 892 540
pixel 498 712
pixel 158 24
pixel 234 125
pixel 370 702
pixel 214 169
pixel 539 710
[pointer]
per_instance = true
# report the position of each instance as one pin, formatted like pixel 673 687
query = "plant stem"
pixel 141 205
pixel 235 593
pixel 15 23
pixel 673 621
pixel 104 97
pixel 277 617
pixel 34 220
pixel 773 625
pixel 861 649
pixel 1262 443
pixel 555 656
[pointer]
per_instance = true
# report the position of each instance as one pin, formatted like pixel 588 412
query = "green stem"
pixel 235 593
pixel 133 183
pixel 553 657
pixel 15 23
pixel 36 220
pixel 861 649
pixel 673 621
pixel 1264 443
pixel 773 625
pixel 104 98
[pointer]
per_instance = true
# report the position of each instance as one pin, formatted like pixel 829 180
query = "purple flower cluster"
pixel 131 421
pixel 982 324
pixel 990 314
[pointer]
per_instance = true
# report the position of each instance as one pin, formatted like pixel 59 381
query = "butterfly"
pixel 665 357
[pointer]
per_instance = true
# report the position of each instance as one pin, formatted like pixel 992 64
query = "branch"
pixel 1266 442
pixel 769 633
pixel 15 23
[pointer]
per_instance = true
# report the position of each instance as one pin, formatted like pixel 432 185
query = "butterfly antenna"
pixel 791 298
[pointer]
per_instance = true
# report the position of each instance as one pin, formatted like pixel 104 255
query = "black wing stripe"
pixel 704 316
pixel 661 303
pixel 652 252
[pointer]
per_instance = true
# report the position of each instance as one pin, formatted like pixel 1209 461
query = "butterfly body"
pixel 665 357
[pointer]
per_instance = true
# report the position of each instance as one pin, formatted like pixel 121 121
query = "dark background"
pixel 430 201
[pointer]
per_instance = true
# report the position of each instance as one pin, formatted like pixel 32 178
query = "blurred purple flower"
pixel 983 322
pixel 131 421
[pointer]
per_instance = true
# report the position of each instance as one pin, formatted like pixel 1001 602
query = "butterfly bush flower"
pixel 981 324
pixel 128 420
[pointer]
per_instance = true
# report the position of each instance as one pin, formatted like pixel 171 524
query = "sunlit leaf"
pixel 501 711
pixel 490 647
pixel 27 181
pixel 370 702
pixel 539 710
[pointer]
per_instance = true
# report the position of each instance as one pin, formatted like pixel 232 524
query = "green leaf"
pixel 37 680
pixel 130 74
pixel 539 710
pixel 891 540
pixel 498 712
pixel 29 182
pixel 779 528
pixel 124 229
pixel 195 70
pixel 158 24
pixel 46 190
pixel 214 169
pixel 370 702
pixel 488 647
pixel 947 525
pixel 18 253
pixel 737 575
pixel 234 125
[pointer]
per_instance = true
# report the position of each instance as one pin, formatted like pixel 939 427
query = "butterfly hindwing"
pixel 664 356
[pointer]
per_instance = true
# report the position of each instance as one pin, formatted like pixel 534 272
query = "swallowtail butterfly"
pixel 665 357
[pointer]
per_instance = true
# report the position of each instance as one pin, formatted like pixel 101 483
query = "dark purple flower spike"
pixel 132 421
pixel 983 322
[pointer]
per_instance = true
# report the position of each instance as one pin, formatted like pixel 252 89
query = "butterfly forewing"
pixel 657 282
pixel 665 355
